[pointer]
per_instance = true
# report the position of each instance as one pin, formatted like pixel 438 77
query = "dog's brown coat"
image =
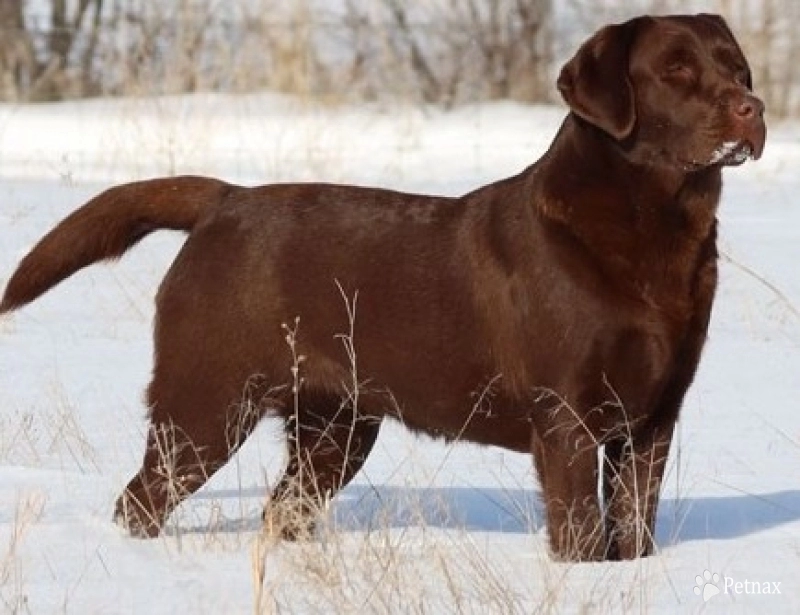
pixel 554 312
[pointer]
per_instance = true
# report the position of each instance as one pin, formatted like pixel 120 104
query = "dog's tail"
pixel 107 226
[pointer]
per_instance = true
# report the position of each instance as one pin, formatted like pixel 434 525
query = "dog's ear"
pixel 595 82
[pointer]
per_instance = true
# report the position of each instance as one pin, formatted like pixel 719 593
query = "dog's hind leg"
pixel 328 444
pixel 194 430
pixel 174 466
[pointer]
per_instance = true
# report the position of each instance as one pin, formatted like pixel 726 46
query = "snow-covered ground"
pixel 425 528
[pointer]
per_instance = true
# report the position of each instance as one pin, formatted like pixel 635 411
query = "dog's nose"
pixel 749 115
pixel 750 108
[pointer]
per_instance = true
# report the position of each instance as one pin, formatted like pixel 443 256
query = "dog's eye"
pixel 742 77
pixel 680 70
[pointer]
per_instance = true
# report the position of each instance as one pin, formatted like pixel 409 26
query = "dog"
pixel 560 312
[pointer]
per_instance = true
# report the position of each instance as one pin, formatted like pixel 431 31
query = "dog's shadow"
pixel 512 511
pixel 518 511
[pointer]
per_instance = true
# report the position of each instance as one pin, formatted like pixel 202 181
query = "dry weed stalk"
pixel 28 511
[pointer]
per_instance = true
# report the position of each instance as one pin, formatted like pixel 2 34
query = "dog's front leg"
pixel 633 471
pixel 568 471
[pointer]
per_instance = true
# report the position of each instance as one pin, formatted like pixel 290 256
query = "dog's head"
pixel 671 90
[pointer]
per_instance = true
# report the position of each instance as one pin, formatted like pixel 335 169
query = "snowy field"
pixel 425 528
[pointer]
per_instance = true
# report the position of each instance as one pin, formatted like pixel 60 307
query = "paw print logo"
pixel 706 585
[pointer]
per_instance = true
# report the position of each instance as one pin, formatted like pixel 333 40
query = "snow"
pixel 425 527
pixel 725 150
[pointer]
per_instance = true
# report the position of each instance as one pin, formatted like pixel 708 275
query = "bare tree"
pixel 443 52
pixel 450 51
pixel 34 72
pixel 17 62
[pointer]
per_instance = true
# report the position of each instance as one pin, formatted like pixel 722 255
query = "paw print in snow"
pixel 706 585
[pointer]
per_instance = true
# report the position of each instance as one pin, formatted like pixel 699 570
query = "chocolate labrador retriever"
pixel 560 312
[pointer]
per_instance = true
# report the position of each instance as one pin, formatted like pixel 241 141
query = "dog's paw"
pixel 137 523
